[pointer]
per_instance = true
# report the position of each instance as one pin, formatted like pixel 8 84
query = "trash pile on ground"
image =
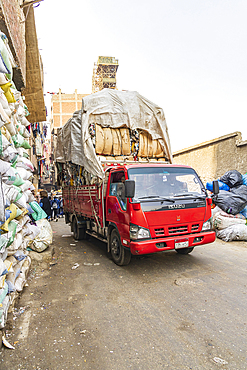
pixel 111 126
pixel 230 213
pixel 22 220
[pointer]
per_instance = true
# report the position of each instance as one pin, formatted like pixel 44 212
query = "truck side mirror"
pixel 129 188
pixel 216 187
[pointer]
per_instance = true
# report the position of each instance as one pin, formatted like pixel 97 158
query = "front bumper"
pixel 150 246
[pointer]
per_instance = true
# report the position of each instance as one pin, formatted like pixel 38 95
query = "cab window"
pixel 117 188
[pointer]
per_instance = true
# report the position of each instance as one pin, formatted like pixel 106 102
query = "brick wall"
pixel 12 24
pixel 63 106
pixel 213 158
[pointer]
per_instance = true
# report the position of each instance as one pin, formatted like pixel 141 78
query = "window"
pixel 117 188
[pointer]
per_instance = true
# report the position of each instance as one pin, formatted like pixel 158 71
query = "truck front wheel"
pixel 79 233
pixel 120 255
pixel 185 250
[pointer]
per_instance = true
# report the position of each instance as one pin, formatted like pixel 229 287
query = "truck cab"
pixel 155 208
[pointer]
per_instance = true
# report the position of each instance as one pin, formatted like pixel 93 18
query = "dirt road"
pixel 165 311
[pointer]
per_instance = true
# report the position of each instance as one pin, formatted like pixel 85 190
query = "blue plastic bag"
pixel 244 178
pixel 222 186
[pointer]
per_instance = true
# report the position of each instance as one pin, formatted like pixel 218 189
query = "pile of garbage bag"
pixel 230 213
pixel 22 220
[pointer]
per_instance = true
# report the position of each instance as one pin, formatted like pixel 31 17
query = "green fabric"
pixel 18 196
pixel 18 181
pixel 18 212
pixel 12 229
pixel 3 241
pixel 25 155
pixel 39 213
pixel 14 161
pixel 3 292
pixel 25 145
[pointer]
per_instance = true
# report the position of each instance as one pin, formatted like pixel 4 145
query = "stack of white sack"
pixel 18 209
pixel 229 215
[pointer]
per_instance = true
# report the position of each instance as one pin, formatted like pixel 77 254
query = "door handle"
pixel 109 210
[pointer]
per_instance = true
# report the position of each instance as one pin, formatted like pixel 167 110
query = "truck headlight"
pixel 207 225
pixel 138 232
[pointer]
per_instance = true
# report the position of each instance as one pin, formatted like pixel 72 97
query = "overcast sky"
pixel 188 56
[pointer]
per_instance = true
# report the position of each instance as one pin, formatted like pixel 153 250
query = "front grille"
pixel 177 229
pixel 194 227
pixel 159 232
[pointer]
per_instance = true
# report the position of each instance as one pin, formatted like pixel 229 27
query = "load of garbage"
pixel 230 213
pixel 115 126
pixel 22 220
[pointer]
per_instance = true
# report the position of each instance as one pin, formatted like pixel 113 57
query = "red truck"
pixel 142 208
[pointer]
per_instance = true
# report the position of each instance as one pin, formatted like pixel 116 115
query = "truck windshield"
pixel 171 183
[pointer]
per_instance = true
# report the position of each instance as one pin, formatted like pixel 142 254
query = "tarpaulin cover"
pixel 114 109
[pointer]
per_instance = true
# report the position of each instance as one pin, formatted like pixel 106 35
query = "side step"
pixel 97 236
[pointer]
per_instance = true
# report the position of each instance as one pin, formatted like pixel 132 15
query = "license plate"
pixel 180 245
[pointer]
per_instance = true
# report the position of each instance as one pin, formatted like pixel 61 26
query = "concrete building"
pixel 213 158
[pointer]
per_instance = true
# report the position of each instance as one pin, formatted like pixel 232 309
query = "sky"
pixel 187 56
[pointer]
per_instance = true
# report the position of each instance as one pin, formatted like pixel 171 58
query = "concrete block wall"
pixel 213 158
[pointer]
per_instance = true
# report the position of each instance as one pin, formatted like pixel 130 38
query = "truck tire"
pixel 79 233
pixel 185 250
pixel 119 254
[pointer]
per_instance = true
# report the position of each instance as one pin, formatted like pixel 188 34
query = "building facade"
pixel 213 158
pixel 62 108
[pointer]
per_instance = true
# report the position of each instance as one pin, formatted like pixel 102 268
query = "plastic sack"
pixel 2 202
pixel 232 201
pixel 11 128
pixel 234 232
pixel 4 311
pixel 222 220
pixel 4 167
pixel 4 254
pixel 39 213
pixel 26 186
pixel 21 202
pixel 3 269
pixel 11 192
pixel 19 141
pixel 3 292
pixel 5 57
pixel 13 211
pixel 3 100
pixel 16 244
pixel 4 142
pixel 232 178
pixel 222 186
pixel 21 279
pixel 8 93
pixel 244 179
pixel 25 163
pixel 12 231
pixel 18 180
pixel 24 174
pixel 9 154
pixel 44 239
pixel 19 255
pixel 244 212
pixel 31 231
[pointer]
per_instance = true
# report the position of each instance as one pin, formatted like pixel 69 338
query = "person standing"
pixel 45 203
pixel 55 208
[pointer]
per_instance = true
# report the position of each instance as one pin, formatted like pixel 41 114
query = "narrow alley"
pixel 174 311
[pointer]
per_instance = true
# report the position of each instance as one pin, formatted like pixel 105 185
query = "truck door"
pixel 117 204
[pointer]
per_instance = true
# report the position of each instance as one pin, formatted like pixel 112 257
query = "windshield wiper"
pixel 158 197
pixel 190 195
